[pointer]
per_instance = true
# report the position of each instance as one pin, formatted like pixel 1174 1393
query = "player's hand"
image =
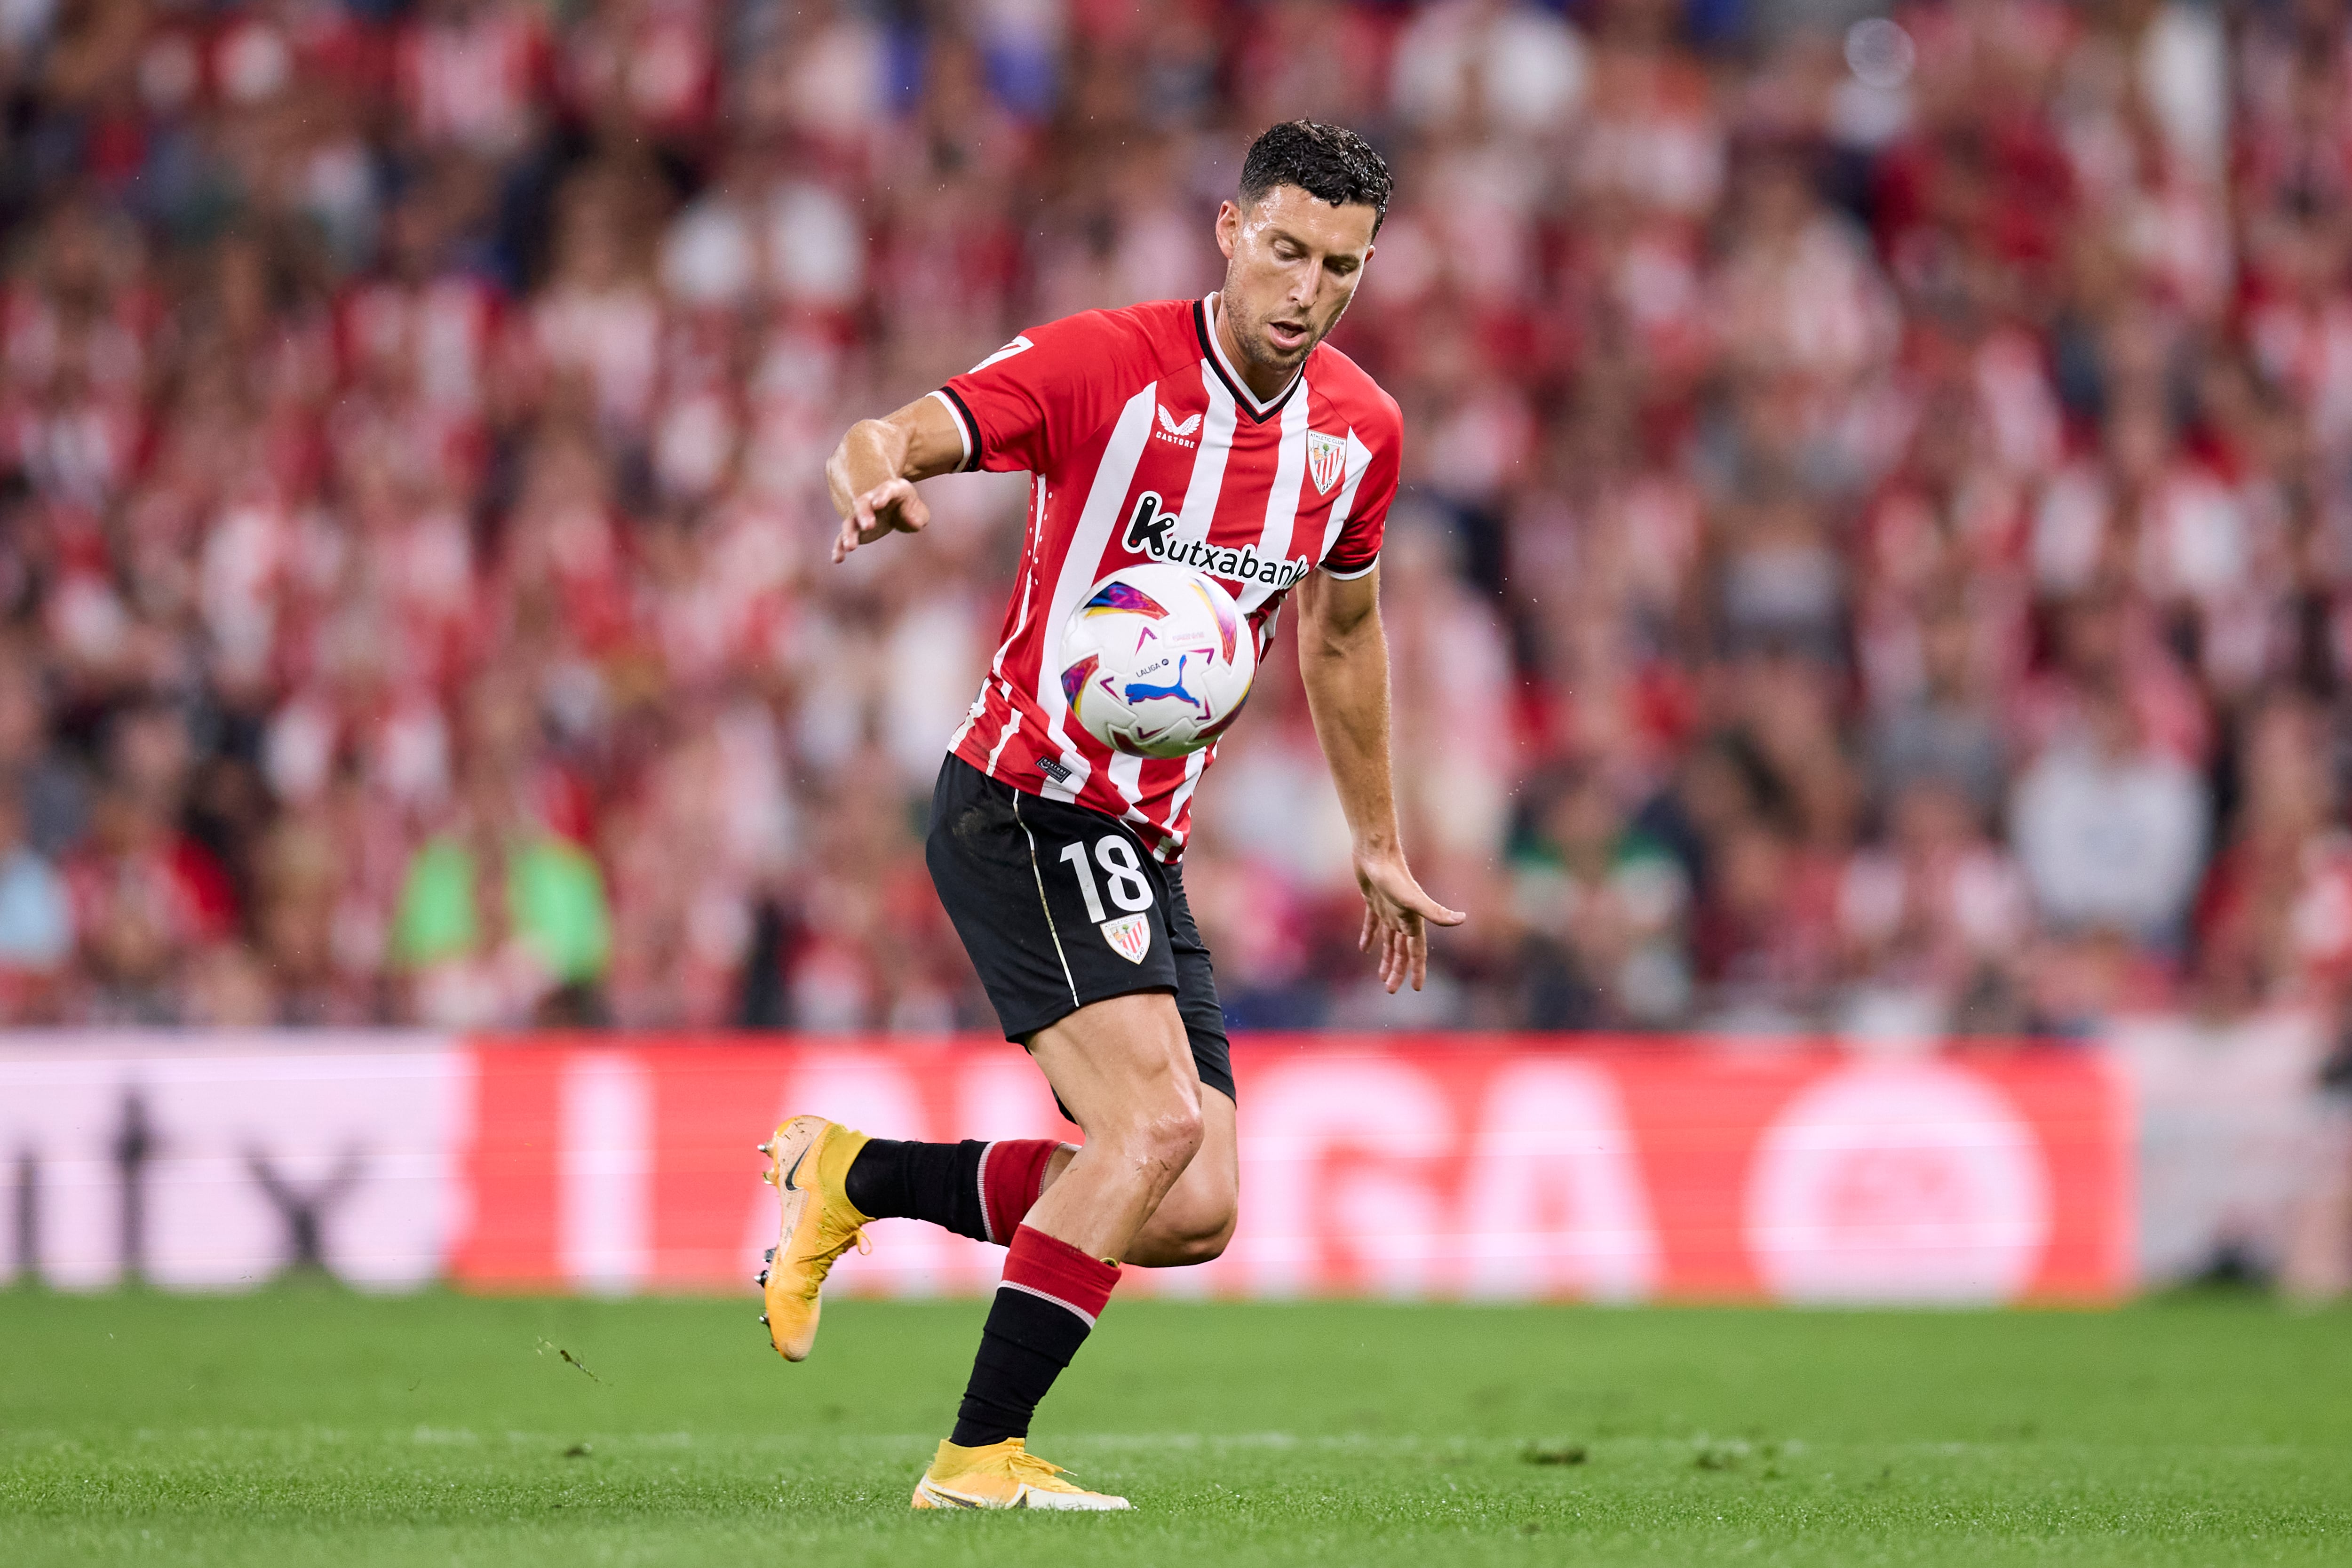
pixel 890 507
pixel 1397 917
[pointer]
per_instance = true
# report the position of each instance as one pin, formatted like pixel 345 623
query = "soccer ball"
pixel 1157 661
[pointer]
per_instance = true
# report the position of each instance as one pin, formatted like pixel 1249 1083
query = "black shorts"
pixel 1060 906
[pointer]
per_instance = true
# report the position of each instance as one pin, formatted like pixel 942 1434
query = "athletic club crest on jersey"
pixel 1129 937
pixel 1327 458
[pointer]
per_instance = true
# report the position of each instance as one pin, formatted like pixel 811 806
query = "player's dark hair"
pixel 1329 163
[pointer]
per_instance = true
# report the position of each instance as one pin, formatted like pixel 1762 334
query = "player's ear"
pixel 1229 227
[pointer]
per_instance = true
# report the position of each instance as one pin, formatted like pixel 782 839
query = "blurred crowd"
pixel 1875 556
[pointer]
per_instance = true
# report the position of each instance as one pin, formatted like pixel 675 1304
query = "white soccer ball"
pixel 1158 660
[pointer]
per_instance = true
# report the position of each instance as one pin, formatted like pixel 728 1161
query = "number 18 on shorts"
pixel 1129 932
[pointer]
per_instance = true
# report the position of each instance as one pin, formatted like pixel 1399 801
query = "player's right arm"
pixel 872 474
pixel 1018 410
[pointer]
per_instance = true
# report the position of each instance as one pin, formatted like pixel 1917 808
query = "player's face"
pixel 1292 263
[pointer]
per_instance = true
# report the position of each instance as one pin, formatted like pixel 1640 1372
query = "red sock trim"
pixel 1011 1174
pixel 1048 1267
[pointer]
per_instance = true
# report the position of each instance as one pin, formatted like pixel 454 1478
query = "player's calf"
pixel 1190 1235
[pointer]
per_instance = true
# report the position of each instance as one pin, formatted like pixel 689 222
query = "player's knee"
pixel 1172 1136
pixel 1162 1138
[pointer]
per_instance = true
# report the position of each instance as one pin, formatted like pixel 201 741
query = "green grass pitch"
pixel 304 1425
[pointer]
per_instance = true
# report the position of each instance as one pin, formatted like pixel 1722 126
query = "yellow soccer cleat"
pixel 1004 1475
pixel 809 1160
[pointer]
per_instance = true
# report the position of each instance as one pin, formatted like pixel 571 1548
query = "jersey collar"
pixel 1247 401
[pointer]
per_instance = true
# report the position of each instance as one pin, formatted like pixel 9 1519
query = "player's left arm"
pixel 1343 660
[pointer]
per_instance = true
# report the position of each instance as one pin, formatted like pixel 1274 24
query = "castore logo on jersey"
pixel 1176 430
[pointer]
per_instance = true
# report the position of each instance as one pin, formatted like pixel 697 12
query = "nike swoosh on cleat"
pixel 795 1171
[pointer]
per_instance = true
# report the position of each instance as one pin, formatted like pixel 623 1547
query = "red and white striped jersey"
pixel 1146 446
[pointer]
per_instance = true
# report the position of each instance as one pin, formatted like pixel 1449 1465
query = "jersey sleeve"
pixel 1358 548
pixel 1044 392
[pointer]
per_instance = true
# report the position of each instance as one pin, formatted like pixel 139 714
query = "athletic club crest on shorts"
pixel 1327 457
pixel 1129 937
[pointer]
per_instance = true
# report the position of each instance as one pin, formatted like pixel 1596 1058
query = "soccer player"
pixel 1219 433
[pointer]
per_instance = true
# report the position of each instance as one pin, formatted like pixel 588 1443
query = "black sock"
pixel 934 1181
pixel 1028 1341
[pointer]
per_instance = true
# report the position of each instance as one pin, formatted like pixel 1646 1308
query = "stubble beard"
pixel 1250 333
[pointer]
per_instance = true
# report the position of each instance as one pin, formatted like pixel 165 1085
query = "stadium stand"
pixel 1874 560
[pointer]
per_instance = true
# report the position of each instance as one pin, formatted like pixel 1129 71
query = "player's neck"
pixel 1265 384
